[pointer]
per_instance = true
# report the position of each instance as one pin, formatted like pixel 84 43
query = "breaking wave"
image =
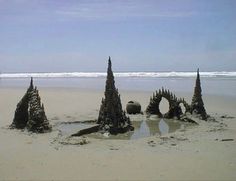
pixel 121 74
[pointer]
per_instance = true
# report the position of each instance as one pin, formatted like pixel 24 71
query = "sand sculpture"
pixel 197 105
pixel 111 116
pixel 133 107
pixel 30 112
pixel 175 111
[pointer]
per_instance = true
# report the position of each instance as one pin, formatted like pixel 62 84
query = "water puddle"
pixel 144 127
pixel 71 128
pixel 154 127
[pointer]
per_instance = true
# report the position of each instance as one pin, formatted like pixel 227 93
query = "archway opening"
pixel 182 107
pixel 164 106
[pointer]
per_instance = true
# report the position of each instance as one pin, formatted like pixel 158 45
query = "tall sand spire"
pixel 111 116
pixel 197 105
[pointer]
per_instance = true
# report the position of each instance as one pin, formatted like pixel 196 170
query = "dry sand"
pixel 192 154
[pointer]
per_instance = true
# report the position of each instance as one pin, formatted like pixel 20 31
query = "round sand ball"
pixel 133 107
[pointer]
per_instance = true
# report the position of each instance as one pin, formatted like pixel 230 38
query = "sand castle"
pixel 30 112
pixel 197 106
pixel 175 111
pixel 111 116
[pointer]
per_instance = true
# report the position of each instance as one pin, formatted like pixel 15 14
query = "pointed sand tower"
pixel 30 112
pixel 197 105
pixel 111 116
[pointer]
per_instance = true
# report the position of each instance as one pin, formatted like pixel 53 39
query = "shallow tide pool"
pixel 144 127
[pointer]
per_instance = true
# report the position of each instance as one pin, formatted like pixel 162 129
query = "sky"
pixel 139 35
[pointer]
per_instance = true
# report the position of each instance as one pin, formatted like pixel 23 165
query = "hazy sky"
pixel 139 35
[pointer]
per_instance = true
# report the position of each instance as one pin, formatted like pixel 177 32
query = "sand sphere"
pixel 133 107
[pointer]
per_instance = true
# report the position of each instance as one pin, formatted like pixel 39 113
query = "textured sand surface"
pixel 193 154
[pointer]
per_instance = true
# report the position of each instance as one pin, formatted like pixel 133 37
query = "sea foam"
pixel 222 74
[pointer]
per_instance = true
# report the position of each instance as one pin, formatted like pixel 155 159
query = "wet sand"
pixel 196 153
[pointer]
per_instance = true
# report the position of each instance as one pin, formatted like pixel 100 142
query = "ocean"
pixel 222 74
pixel 218 83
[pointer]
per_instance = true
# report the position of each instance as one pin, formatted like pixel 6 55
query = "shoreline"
pixel 186 85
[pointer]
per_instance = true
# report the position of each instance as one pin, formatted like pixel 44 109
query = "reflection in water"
pixel 159 126
pixel 153 126
pixel 144 128
pixel 163 127
pixel 173 125
pixel 141 132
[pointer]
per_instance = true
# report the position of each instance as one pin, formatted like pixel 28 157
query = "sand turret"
pixel 197 105
pixel 111 116
pixel 30 112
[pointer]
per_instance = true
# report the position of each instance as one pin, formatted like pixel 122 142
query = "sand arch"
pixel 174 104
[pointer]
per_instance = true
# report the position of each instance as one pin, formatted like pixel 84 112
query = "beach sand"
pixel 195 153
